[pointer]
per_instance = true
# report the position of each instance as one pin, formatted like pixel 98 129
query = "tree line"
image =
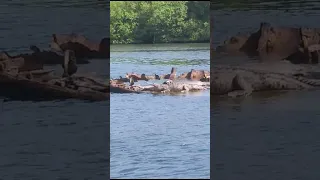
pixel 159 21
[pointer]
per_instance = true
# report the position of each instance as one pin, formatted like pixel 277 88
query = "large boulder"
pixel 22 62
pixel 276 43
pixel 82 47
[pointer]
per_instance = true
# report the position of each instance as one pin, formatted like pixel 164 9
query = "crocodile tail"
pixel 312 82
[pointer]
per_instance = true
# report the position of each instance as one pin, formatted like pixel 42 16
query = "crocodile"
pixel 176 86
pixel 242 80
pixel 186 85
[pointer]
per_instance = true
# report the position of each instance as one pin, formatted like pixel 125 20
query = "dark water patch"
pixel 291 5
pixel 42 139
pixel 267 135
pixel 59 3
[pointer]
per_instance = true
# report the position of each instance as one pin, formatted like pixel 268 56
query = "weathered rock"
pixel 241 43
pixel 278 41
pixel 34 61
pixel 23 62
pixel 82 47
pixel 24 74
pixel 273 43
pixel 190 81
pixel 51 57
pixel 197 75
pixel 167 87
pixel 310 36
pixel 46 57
pixel 138 77
pixel 42 83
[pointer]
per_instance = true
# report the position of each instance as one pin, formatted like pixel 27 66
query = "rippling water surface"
pixel 159 136
pixel 267 135
pixel 53 139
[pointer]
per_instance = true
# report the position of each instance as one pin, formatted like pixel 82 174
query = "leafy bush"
pixel 159 21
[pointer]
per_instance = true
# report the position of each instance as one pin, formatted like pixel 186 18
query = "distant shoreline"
pixel 173 42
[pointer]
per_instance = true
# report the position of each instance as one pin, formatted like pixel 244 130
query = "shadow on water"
pixel 266 135
pixel 159 136
pixel 290 5
pixel 61 139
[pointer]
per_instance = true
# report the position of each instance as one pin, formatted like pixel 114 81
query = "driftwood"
pixel 195 80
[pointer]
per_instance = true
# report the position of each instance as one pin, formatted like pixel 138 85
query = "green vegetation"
pixel 159 21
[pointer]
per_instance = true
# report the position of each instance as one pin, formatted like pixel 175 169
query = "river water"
pixel 159 136
pixel 265 136
pixel 53 139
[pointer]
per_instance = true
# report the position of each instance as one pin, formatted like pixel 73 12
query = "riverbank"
pixel 241 5
pixel 159 22
pixel 172 42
